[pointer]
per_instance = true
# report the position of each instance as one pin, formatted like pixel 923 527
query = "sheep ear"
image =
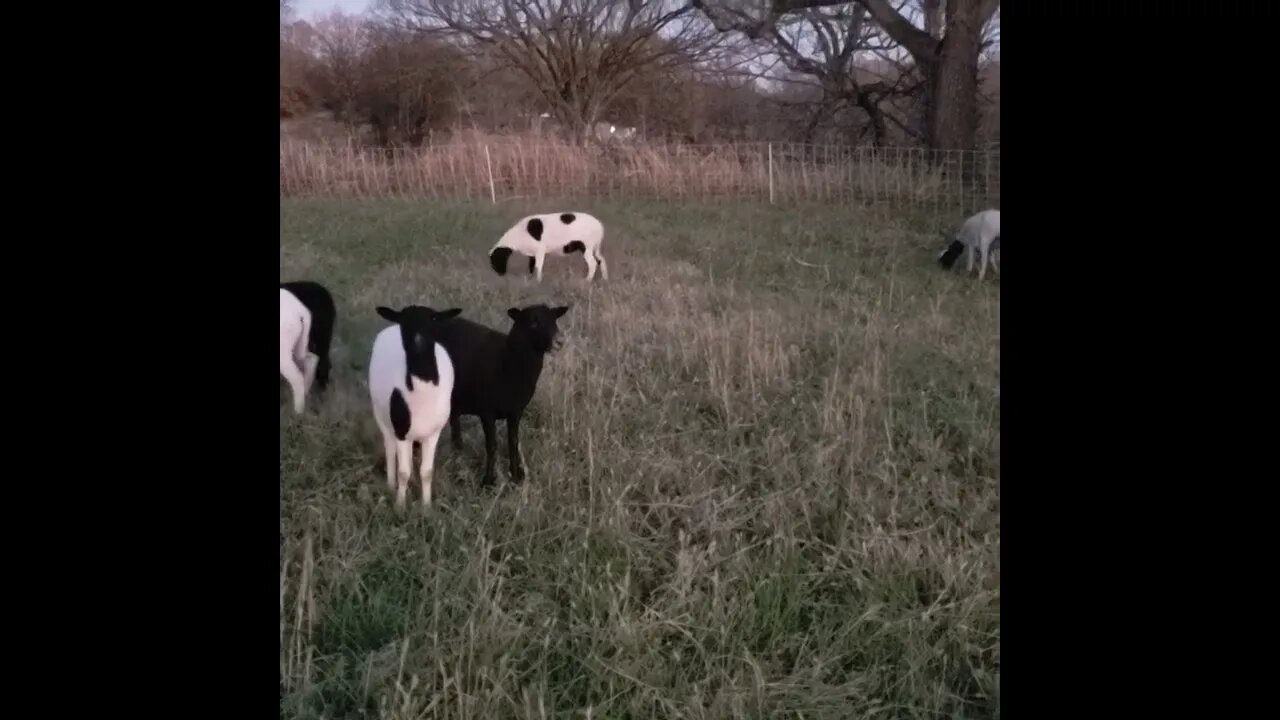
pixel 388 314
pixel 446 314
pixel 513 313
pixel 560 311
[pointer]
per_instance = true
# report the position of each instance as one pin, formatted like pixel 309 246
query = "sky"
pixel 310 9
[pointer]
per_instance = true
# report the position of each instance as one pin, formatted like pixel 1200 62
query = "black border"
pixel 157 149
pixel 161 466
pixel 1114 116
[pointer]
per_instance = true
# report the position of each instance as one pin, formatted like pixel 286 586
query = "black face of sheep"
pixel 417 314
pixel 498 259
pixel 948 257
pixel 537 323
pixel 416 325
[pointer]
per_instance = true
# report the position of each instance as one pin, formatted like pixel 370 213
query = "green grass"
pixel 763 477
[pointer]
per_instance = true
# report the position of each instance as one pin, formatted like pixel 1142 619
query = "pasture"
pixel 763 476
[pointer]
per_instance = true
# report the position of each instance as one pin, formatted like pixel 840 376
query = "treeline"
pixel 699 71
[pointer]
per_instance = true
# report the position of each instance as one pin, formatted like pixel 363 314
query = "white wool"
pixel 428 403
pixel 979 234
pixel 297 366
pixel 980 229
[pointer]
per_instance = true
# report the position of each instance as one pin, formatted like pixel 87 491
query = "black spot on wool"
pixel 568 218
pixel 400 419
pixel 534 228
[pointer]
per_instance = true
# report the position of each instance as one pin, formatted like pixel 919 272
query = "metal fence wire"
pixel 780 173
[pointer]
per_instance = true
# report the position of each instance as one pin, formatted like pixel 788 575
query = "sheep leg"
pixel 322 373
pixel 538 259
pixel 490 447
pixel 513 448
pixel 297 381
pixel 389 450
pixel 968 256
pixel 591 265
pixel 309 364
pixel 404 465
pixel 604 267
pixel 427 465
pixel 995 257
pixel 322 365
pixel 455 430
pixel 982 263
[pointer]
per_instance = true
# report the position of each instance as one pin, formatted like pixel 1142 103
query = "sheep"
pixel 319 303
pixel 980 232
pixel 606 132
pixel 297 366
pixel 411 380
pixel 537 236
pixel 497 375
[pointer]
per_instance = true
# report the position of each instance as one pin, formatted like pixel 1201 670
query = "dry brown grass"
pixel 540 166
pixel 763 477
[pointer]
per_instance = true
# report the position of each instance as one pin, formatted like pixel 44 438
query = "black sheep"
pixel 497 374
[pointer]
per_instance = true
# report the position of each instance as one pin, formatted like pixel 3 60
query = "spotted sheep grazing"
pixel 497 375
pixel 299 326
pixel 981 234
pixel 537 236
pixel 411 380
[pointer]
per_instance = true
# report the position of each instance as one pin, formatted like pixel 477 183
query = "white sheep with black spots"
pixel 410 385
pixel 537 236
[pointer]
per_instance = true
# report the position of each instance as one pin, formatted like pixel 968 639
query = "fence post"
pixel 770 173
pixel 986 176
pixel 488 163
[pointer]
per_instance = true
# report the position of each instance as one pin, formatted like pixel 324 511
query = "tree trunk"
pixel 933 18
pixel 945 52
pixel 820 115
pixel 872 108
pixel 950 67
pixel 953 122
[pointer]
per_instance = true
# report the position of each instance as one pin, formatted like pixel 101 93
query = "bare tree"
pixel 342 41
pixel 945 50
pixel 827 48
pixel 578 54
pixel 297 68
pixel 407 86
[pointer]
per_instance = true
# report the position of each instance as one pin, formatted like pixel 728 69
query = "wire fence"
pixel 499 169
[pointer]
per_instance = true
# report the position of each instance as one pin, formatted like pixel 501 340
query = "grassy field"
pixel 763 477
